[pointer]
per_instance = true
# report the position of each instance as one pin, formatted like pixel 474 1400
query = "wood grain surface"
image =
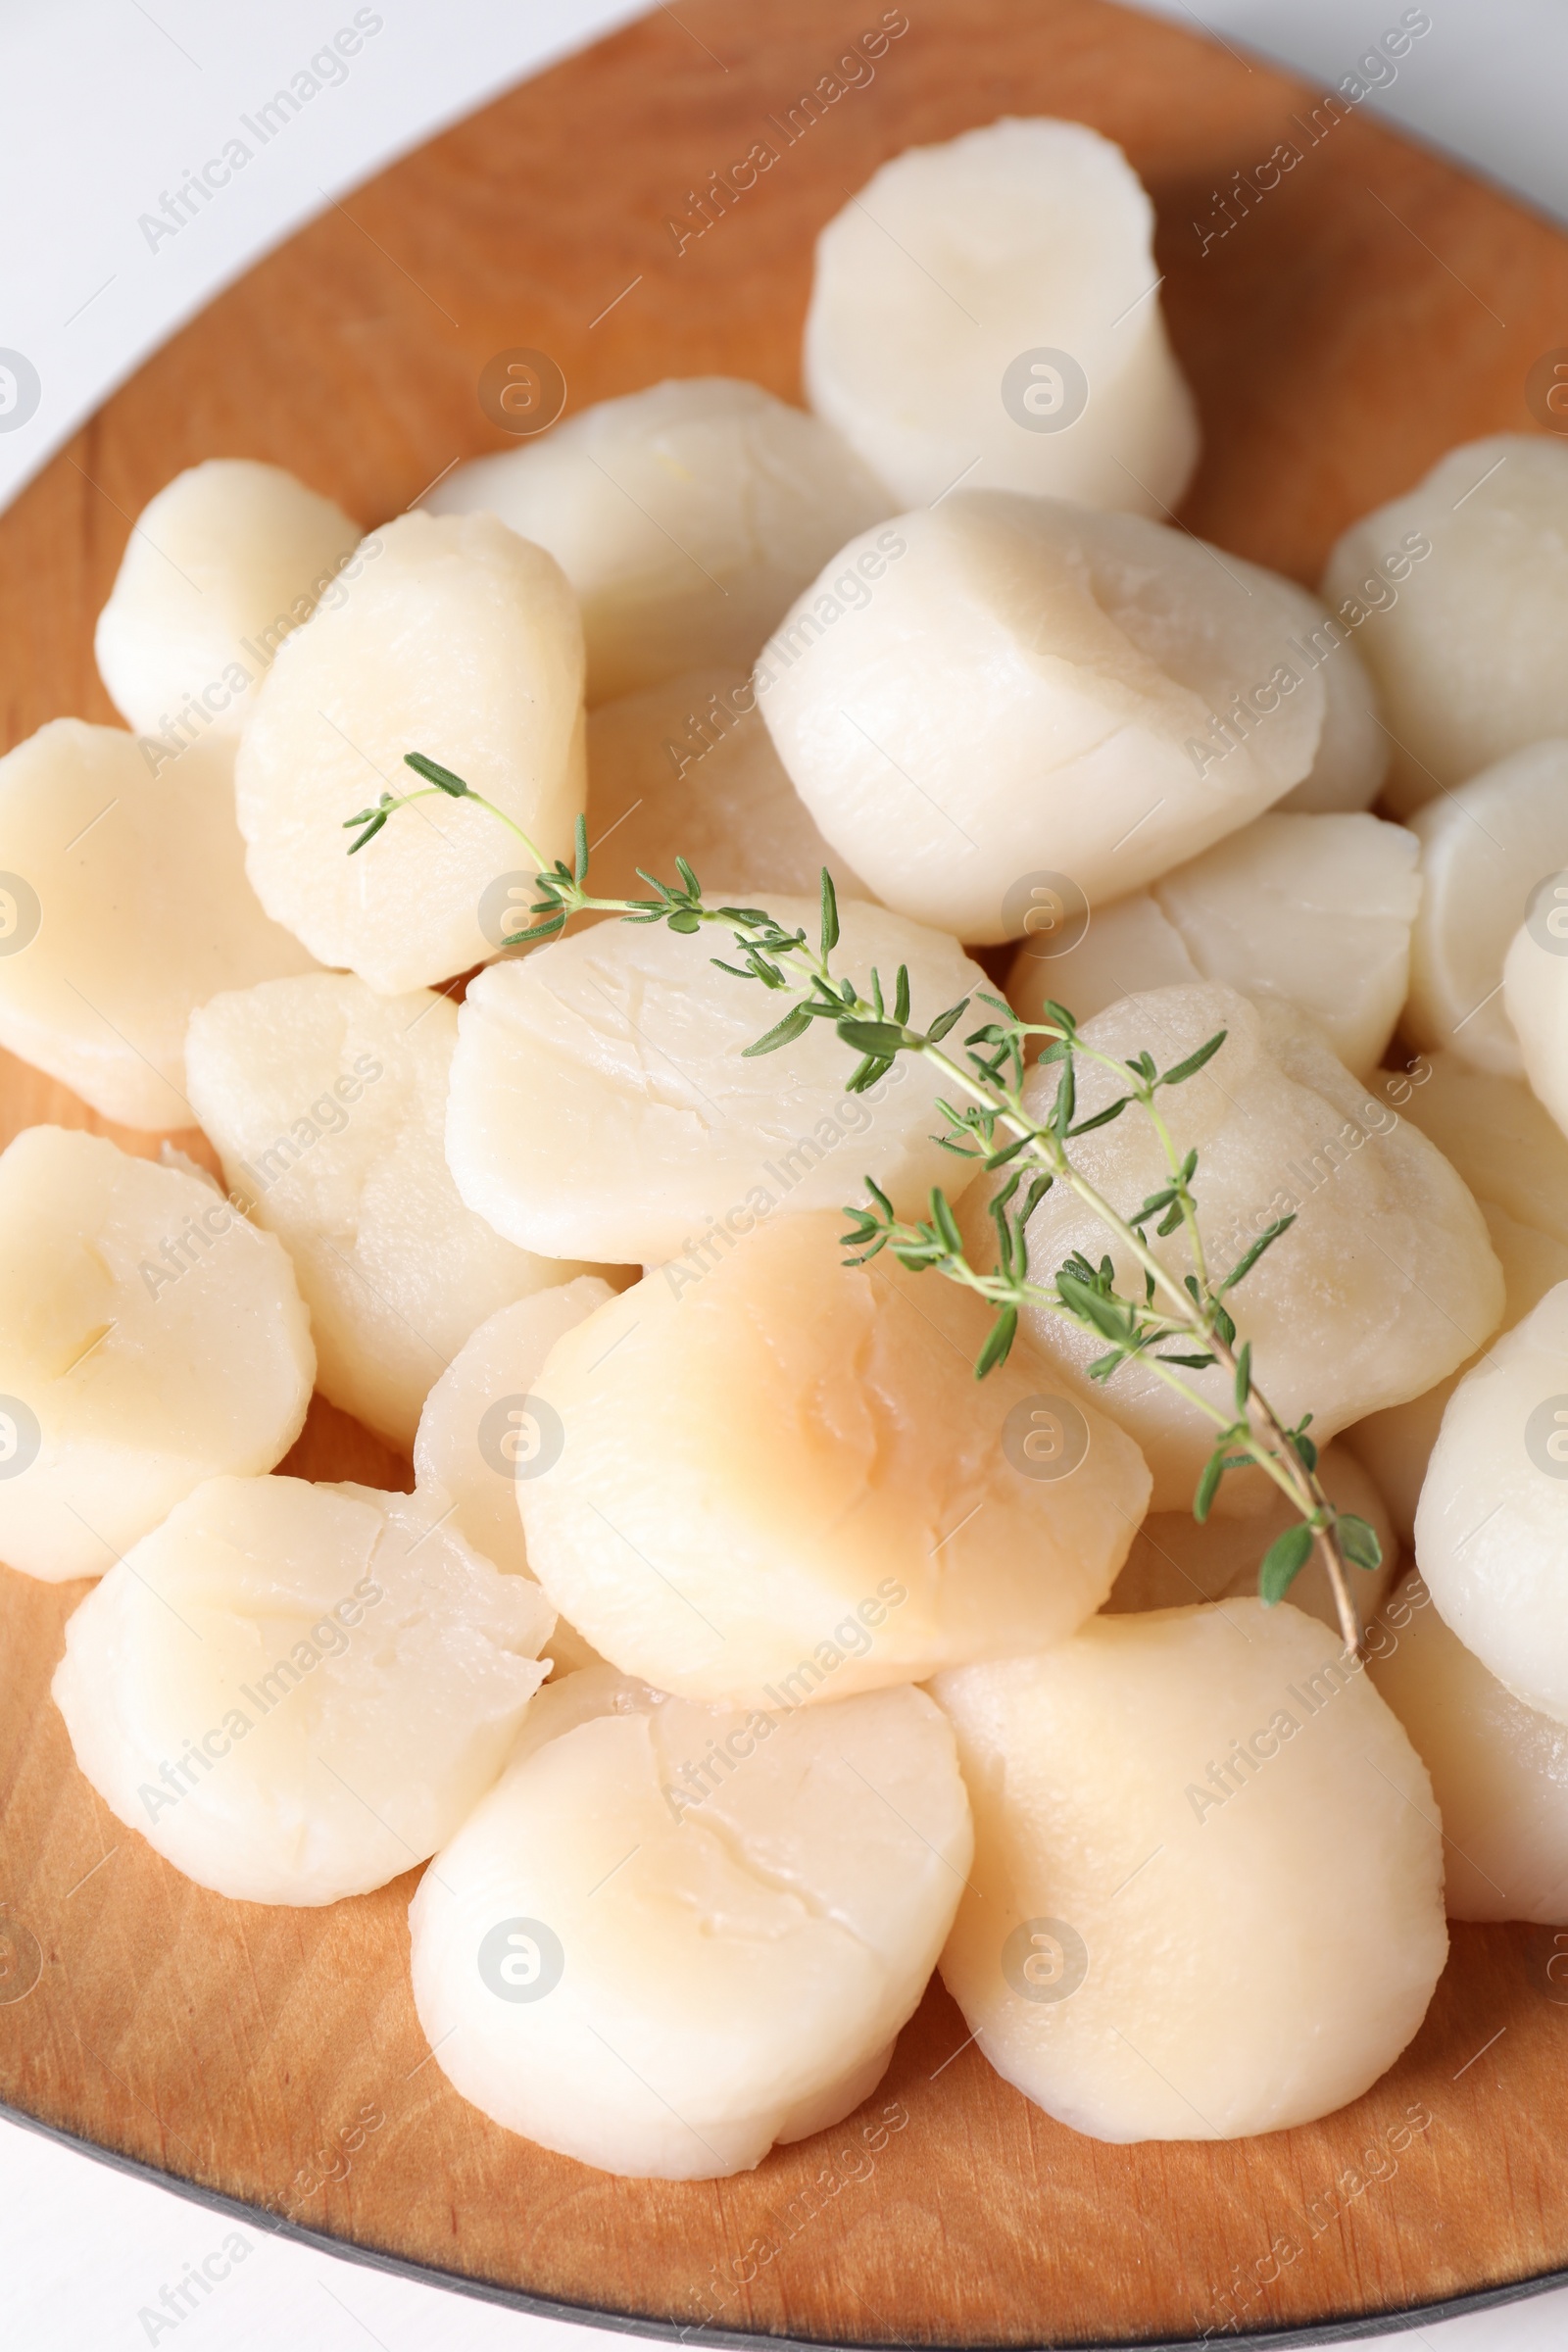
pixel 1358 318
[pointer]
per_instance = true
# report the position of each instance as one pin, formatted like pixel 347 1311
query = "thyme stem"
pixel 991 1081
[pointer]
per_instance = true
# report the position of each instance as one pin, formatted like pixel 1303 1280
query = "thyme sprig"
pixel 1174 1326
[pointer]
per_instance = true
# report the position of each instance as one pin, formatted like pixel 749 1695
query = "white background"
pixel 104 105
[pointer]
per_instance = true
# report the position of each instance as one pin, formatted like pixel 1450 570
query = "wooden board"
pixel 1367 312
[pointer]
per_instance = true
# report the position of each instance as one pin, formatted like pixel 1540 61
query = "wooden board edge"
pixel 1351 2329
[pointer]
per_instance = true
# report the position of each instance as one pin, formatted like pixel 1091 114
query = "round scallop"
pixel 603 1105
pixel 1456 595
pixel 688 769
pixel 459 641
pixel 123 905
pixel 479 1439
pixel 1484 850
pixel 1395 1445
pixel 1105 746
pixel 1514 1159
pixel 327 1105
pixel 673 1936
pixel 1087 960
pixel 1314 911
pixel 988 309
pixel 1492 1523
pixel 1503 1142
pixel 1535 996
pixel 1207 1893
pixel 1384 1281
pixel 1353 752
pixel 1499 1771
pixel 1175 1562
pixel 295 1693
pixel 221 567
pixel 779 1481
pixel 150 1337
pixel 686 516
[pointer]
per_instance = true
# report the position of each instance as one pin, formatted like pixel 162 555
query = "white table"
pixel 103 105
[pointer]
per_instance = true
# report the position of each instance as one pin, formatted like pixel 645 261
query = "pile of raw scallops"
pixel 735 1657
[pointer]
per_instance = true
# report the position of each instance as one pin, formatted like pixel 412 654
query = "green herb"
pixel 1172 1327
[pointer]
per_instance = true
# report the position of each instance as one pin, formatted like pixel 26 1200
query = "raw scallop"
pixel 1313 910
pixel 1208 1891
pixel 1456 596
pixel 688 769
pixel 1087 961
pixel 1036 692
pixel 1484 850
pixel 1499 1771
pixel 327 1103
pixel 479 1439
pixel 1506 1146
pixel 1353 752
pixel 123 905
pixel 601 1105
pixel 1397 1443
pixel 1514 1159
pixel 1534 994
pixel 781 1477
pixel 685 516
pixel 221 567
pixel 1386 1281
pixel 673 1936
pixel 462 642
pixel 295 1693
pixel 1493 1524
pixel 150 1337
pixel 988 311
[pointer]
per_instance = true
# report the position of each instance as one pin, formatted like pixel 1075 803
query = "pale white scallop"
pixel 1086 959
pixel 459 641
pixel 150 1337
pixel 1175 1562
pixel 221 567
pixel 1354 751
pixel 295 1693
pixel 1499 1771
pixel 1313 910
pixel 1492 1520
pixel 988 311
pixel 1504 1144
pixel 780 1481
pixel 1386 1281
pixel 1037 691
pixel 602 1105
pixel 673 1936
pixel 123 905
pixel 1514 1159
pixel 1456 595
pixel 1535 996
pixel 686 516
pixel 327 1103
pixel 1395 1445
pixel 688 769
pixel 1484 850
pixel 478 1439
pixel 1208 1891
